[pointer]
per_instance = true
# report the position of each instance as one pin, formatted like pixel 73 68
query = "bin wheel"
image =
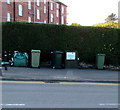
pixel 53 67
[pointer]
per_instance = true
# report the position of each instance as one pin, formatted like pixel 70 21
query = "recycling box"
pixel 71 59
pixel 100 59
pixel 35 58
pixel 57 59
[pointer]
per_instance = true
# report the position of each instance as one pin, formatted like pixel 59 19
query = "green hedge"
pixel 88 41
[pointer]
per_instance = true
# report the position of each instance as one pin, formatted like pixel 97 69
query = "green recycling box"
pixel 57 59
pixel 35 58
pixel 100 59
pixel 71 60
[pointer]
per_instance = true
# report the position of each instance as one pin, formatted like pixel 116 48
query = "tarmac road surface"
pixel 21 94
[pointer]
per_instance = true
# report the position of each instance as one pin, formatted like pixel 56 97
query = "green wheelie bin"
pixel 35 58
pixel 57 60
pixel 100 59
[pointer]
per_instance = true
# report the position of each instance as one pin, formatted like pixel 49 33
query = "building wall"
pixel 64 14
pixel 24 16
pixel 31 14
pixel 0 11
pixel 7 8
pixel 52 12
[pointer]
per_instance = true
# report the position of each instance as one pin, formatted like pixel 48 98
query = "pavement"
pixel 60 75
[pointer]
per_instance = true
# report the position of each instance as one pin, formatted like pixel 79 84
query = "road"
pixel 60 95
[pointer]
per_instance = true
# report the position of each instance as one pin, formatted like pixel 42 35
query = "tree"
pixel 111 17
pixel 75 24
pixel 110 24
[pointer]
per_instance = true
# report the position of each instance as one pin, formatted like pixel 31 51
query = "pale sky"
pixel 89 12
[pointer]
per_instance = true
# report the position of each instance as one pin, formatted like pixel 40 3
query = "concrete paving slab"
pixel 22 73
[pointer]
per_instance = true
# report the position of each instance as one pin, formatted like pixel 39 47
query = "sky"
pixel 90 12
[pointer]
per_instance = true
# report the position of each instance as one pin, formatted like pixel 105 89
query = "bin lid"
pixel 101 54
pixel 57 52
pixel 36 51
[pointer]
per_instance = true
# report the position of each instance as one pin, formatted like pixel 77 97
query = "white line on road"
pixel 72 83
pixel 12 104
pixel 109 104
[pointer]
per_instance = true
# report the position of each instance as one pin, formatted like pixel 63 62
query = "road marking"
pixel 12 104
pixel 109 104
pixel 22 82
pixel 74 83
pixel 66 83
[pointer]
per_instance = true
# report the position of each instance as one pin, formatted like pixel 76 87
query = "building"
pixel 36 11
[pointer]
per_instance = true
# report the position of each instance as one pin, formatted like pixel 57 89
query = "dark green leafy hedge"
pixel 88 41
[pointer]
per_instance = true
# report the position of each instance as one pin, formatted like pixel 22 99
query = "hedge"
pixel 88 41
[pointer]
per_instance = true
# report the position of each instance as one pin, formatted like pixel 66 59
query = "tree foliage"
pixel 111 17
pixel 75 24
pixel 111 24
